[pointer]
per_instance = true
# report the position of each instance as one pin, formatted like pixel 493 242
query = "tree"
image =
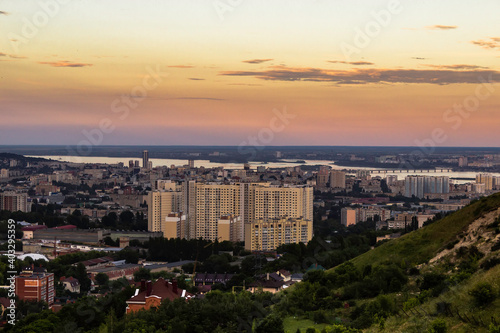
pixel 483 293
pixel 142 274
pixel 270 324
pixel 101 279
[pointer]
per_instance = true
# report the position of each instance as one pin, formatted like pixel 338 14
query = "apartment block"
pixel 268 235
pixel 35 284
pixel 14 202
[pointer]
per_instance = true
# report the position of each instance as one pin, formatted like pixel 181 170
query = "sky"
pixel 250 72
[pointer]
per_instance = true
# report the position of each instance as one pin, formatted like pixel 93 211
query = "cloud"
pixel 63 63
pixel 256 61
pixel 3 13
pixel 441 27
pixel 457 67
pixel 197 98
pixel 181 66
pixel 419 58
pixel 196 79
pixel 492 43
pixel 13 56
pixel 365 76
pixel 244 84
pixel 357 63
pixel 3 54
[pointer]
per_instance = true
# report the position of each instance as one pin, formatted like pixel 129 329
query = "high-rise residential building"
pixel 145 159
pixel 268 235
pixel 208 205
pixel 391 180
pixel 348 216
pixel 13 201
pixel 485 179
pixel 136 164
pixel 191 164
pixel 419 186
pixel 4 173
pixel 160 205
pixel 463 161
pixel 131 163
pixel 230 228
pixel 174 226
pixel 337 179
pixel 35 284
pixel 323 176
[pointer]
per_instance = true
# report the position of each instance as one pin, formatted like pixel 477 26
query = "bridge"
pixel 385 171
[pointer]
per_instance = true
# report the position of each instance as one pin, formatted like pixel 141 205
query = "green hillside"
pixel 421 245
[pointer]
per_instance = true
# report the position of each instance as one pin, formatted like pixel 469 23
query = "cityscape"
pixel 248 166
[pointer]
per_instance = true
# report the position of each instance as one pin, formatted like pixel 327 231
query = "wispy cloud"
pixel 419 58
pixel 356 63
pixel 64 63
pixel 457 67
pixel 181 66
pixel 4 13
pixel 13 56
pixel 198 98
pixel 441 27
pixel 196 79
pixel 365 76
pixel 491 43
pixel 244 84
pixel 256 61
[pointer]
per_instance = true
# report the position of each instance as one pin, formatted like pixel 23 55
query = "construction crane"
pixel 212 243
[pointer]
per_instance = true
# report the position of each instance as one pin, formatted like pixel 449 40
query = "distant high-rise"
pixel 14 202
pixel 145 159
pixel 337 179
pixel 131 164
pixel 191 164
pixel 419 186
pixel 485 179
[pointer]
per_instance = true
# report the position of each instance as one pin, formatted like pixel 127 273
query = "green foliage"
pixel 494 329
pixel 483 293
pixel 142 274
pixel 101 279
pixel 438 326
pixel 270 324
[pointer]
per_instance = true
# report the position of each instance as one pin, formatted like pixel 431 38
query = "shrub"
pixel 483 293
pixel 438 326
pixel 490 263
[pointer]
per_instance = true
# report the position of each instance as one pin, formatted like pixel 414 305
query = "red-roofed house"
pixel 152 294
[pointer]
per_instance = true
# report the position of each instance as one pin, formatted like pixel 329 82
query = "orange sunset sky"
pixel 350 72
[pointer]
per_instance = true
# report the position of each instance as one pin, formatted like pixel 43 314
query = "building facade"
pixel 262 235
pixel 35 284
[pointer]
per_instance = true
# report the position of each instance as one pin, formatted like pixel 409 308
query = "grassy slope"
pixel 421 245
pixel 459 298
pixel 291 324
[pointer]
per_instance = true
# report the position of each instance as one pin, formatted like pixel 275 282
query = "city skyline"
pixel 380 73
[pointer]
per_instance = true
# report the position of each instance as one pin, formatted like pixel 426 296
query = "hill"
pixel 422 245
